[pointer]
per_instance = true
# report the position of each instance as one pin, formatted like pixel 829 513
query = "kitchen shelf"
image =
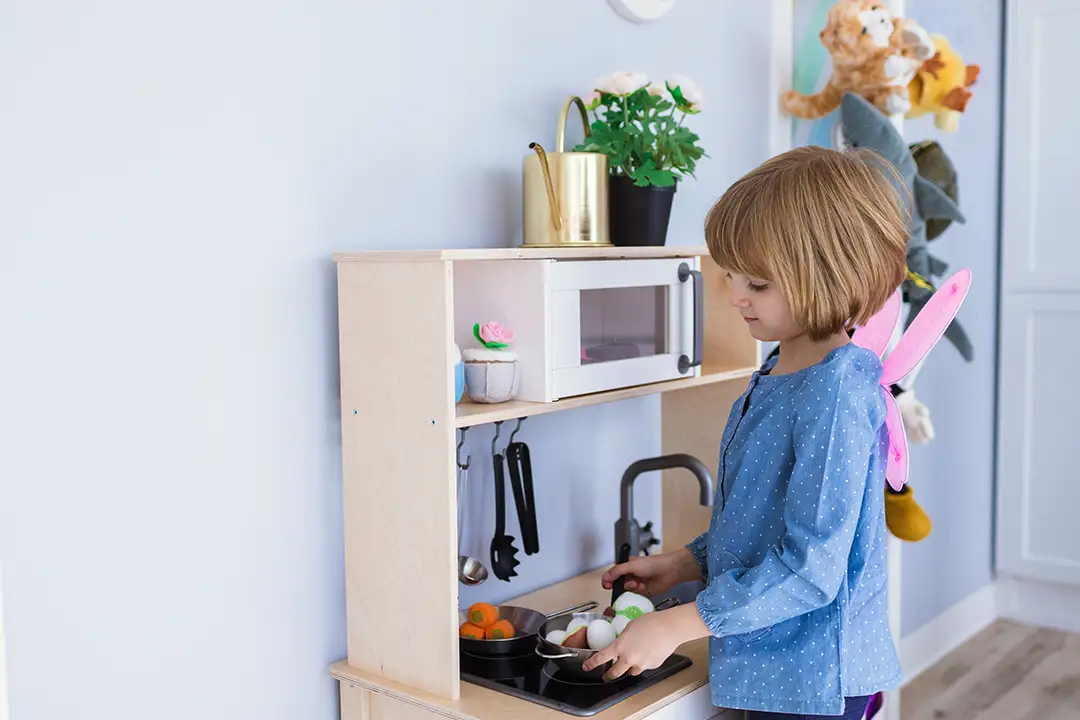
pixel 470 414
pixel 521 253
pixel 479 703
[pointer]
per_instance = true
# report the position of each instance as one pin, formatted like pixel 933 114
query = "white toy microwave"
pixel 587 326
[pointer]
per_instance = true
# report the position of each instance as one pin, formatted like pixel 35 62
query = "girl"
pixel 813 243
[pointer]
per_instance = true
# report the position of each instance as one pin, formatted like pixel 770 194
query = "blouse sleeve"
pixel 821 509
pixel 699 548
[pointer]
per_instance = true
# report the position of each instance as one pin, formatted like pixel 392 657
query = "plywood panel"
pixel 728 342
pixel 399 491
pixel 354 702
pixel 520 253
pixel 470 413
pixel 692 422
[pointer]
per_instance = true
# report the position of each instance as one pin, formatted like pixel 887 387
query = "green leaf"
pixel 476 333
pixel 676 92
pixel 649 174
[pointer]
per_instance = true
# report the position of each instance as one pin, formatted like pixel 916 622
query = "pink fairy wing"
pixel 896 468
pixel 878 330
pixel 927 327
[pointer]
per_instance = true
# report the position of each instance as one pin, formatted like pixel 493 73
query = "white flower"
pixel 659 90
pixel 690 91
pixel 622 83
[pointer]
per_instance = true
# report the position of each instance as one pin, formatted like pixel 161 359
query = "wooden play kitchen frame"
pixel 399 421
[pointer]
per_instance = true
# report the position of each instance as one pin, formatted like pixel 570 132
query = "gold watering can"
pixel 565 194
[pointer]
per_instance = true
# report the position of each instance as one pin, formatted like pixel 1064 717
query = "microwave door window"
pixel 623 323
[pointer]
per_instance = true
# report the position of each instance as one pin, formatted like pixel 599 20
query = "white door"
pixel 1038 534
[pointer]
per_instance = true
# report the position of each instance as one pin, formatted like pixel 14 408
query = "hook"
pixel 495 439
pixel 520 420
pixel 468 459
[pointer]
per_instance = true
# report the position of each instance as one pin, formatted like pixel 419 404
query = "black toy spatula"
pixel 503 552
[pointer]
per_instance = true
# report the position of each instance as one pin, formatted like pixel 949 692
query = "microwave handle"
pixel 685 273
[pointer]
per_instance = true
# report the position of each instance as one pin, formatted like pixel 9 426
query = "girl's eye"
pixel 758 288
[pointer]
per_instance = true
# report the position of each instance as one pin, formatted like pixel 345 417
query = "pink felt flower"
pixel 493 335
pixel 493 332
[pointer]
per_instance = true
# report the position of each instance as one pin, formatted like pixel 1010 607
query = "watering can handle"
pixel 560 136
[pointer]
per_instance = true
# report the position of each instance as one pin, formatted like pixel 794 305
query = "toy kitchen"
pixel 575 327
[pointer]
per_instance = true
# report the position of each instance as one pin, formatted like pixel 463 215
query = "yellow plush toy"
pixel 940 86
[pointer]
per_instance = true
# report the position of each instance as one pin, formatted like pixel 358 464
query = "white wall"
pixel 175 177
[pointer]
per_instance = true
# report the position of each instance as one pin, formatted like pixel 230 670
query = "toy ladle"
pixel 470 570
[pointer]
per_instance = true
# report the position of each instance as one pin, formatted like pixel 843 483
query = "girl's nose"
pixel 739 300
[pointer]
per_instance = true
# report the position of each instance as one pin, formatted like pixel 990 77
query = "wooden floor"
pixel 1008 672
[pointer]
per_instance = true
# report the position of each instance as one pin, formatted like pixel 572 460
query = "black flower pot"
pixel 638 216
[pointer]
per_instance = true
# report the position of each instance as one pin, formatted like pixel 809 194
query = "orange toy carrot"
pixel 483 614
pixel 499 630
pixel 468 630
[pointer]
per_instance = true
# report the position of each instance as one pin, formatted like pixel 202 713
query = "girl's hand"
pixel 654 574
pixel 648 641
pixel 645 644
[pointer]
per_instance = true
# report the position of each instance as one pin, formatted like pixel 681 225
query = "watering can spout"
pixel 553 202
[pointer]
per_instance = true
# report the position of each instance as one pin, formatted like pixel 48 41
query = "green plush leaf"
pixel 476 333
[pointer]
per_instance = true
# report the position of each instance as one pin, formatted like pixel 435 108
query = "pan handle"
pixel 554 657
pixel 667 604
pixel 592 605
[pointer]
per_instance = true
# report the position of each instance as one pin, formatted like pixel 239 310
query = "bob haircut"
pixel 828 227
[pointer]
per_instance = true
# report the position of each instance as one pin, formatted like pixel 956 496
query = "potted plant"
pixel 639 126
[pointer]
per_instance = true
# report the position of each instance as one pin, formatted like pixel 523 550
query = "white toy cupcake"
pixel 492 374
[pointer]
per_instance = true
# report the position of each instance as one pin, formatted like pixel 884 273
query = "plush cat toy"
pixel 873 55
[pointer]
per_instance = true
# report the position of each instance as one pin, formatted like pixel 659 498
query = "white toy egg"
pixel 556 636
pixel 619 623
pixel 632 605
pixel 575 624
pixel 600 634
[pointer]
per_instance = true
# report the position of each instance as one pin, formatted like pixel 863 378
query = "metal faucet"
pixel 630 538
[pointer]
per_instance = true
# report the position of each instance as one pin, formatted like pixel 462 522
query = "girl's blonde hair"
pixel 826 226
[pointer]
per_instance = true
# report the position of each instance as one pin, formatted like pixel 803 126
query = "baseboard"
pixel 933 641
pixel 3 655
pixel 1043 604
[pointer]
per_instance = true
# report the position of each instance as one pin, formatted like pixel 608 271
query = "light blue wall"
pixel 176 177
pixel 953 476
pixel 179 173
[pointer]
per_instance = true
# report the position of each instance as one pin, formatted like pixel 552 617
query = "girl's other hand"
pixel 654 574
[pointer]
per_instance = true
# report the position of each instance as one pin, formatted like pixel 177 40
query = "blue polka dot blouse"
pixel 794 558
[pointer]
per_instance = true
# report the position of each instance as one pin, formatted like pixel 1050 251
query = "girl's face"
pixel 763 307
